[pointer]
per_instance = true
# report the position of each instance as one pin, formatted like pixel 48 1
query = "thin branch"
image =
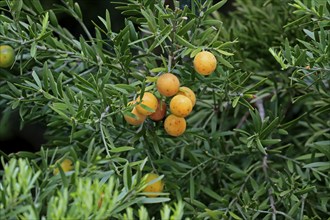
pixel 270 190
pixel 261 109
pixel 103 115
pixel 243 119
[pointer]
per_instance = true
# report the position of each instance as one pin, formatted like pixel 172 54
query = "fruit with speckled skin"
pixel 156 187
pixel 174 125
pixel 205 63
pixel 168 84
pixel 180 106
pixel 160 112
pixel 139 117
pixel 149 101
pixel 188 93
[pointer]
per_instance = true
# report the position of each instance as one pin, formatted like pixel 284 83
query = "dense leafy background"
pixel 257 142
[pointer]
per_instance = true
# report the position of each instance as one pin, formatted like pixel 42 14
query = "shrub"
pixel 256 144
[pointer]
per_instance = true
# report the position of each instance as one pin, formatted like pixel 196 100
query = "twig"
pixel 270 190
pixel 243 119
pixel 103 115
pixel 261 109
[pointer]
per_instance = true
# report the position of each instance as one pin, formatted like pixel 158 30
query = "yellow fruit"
pixel 205 63
pixel 139 117
pixel 180 105
pixel 188 93
pixel 168 84
pixel 7 56
pixel 174 126
pixel 160 112
pixel 148 100
pixel 66 166
pixel 156 187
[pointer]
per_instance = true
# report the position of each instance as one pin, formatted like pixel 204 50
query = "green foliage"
pixel 257 141
pixel 88 197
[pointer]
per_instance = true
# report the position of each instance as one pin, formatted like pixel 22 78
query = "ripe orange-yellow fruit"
pixel 205 63
pixel 188 93
pixel 7 56
pixel 156 187
pixel 180 105
pixel 174 125
pixel 139 117
pixel 168 84
pixel 66 166
pixel 160 112
pixel 148 104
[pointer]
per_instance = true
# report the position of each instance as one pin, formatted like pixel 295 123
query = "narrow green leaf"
pixel 292 122
pixel 212 194
pixel 14 89
pixel 37 6
pixel 255 85
pixel 305 190
pixel 45 22
pixel 127 176
pixel 235 101
pixel 320 165
pixel 235 216
pixel 36 79
pixel 215 7
pixel 260 147
pixel 77 10
pixel 270 128
pixel 121 149
pixel 196 51
pixel 287 50
pixel 33 49
pixel 226 53
pixel 53 84
pixel 183 42
pixel 4 19
pixel 278 57
pixel 184 29
pixel 269 142
pixel 60 112
pixel 154 200
pixel 225 62
pixel 140 40
pixel 158 69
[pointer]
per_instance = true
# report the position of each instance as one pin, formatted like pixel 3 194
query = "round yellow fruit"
pixel 174 125
pixel 7 56
pixel 66 166
pixel 180 105
pixel 205 63
pixel 156 187
pixel 148 100
pixel 160 112
pixel 168 84
pixel 188 93
pixel 139 117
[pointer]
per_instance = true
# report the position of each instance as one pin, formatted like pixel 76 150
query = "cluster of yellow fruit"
pixel 181 105
pixel 182 101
